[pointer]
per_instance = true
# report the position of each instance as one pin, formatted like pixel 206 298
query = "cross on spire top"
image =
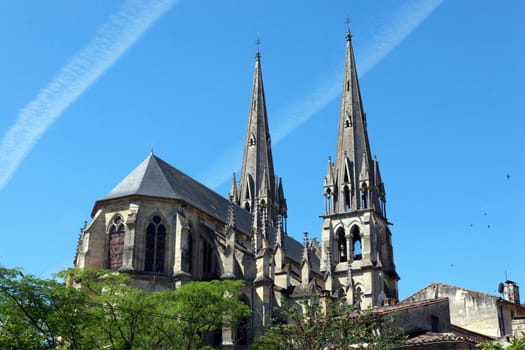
pixel 348 35
pixel 258 43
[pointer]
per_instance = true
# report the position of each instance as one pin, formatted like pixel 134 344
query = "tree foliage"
pixel 308 326
pixel 515 344
pixel 88 309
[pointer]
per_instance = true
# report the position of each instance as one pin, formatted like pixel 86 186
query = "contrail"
pixel 291 116
pixel 111 41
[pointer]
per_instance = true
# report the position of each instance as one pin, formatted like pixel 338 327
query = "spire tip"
pixel 258 43
pixel 348 34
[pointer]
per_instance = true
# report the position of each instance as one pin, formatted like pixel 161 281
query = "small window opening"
pixel 356 244
pixel 346 196
pixel 251 141
pixel 346 177
pixel 348 85
pixel 341 246
pixel 328 201
pixel 364 196
pixel 434 322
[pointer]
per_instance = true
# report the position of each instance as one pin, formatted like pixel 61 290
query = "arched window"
pixel 341 245
pixel 328 201
pixel 364 196
pixel 155 245
pixel 251 141
pixel 346 197
pixel 356 244
pixel 209 262
pixel 116 243
pixel 346 175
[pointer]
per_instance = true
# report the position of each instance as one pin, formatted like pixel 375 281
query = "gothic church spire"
pixel 354 169
pixel 258 184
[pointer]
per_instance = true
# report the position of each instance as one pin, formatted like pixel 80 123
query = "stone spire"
pixel 229 246
pixel 355 187
pixel 233 191
pixel 306 267
pixel 356 239
pixel 258 183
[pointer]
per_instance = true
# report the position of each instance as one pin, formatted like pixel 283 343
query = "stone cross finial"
pixel 348 35
pixel 258 43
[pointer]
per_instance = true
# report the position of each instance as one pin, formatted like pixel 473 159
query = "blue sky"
pixel 88 91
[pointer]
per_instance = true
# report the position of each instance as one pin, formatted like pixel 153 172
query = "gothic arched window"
pixel 356 244
pixel 346 197
pixel 116 243
pixel 155 245
pixel 209 262
pixel 341 246
pixel 364 196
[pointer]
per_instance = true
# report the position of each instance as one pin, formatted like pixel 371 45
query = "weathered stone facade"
pixel 164 228
pixel 478 312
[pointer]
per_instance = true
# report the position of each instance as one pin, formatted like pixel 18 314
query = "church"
pixel 163 228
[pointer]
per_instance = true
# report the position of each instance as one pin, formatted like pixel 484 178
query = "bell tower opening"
pixel 341 246
pixel 356 244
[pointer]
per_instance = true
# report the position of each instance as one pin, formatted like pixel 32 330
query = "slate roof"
pixel 156 178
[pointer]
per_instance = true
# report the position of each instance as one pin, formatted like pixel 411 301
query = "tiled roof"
pixel 440 338
pixel 407 306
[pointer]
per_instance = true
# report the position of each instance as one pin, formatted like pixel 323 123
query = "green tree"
pixel 38 313
pixel 89 309
pixel 340 327
pixel 200 309
pixel 515 344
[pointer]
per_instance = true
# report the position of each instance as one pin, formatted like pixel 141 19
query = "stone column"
pixel 128 263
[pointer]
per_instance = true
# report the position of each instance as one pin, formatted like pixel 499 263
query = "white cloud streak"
pixel 111 41
pixel 389 35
